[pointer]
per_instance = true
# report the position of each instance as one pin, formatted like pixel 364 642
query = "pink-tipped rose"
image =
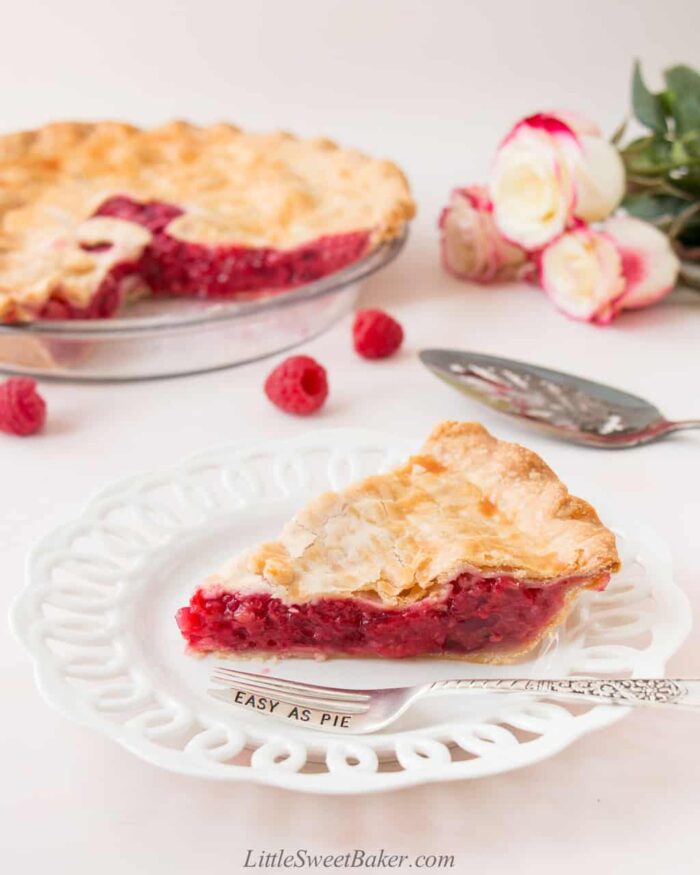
pixel 472 247
pixel 549 171
pixel 649 264
pixel 581 272
pixel 594 274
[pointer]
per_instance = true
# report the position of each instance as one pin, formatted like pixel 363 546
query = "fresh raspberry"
pixel 298 385
pixel 22 409
pixel 375 334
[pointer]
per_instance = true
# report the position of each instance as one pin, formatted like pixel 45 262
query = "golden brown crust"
pixel 468 502
pixel 525 488
pixel 235 187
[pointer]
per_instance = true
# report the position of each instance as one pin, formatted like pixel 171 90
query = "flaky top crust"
pixel 248 189
pixel 467 502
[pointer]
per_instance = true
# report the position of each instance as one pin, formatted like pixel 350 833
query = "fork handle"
pixel 667 692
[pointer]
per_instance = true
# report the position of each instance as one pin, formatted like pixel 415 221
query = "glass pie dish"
pixel 171 337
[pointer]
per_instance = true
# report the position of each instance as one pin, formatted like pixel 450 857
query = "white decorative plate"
pixel 98 617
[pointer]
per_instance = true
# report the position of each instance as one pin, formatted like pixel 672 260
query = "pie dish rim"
pixel 216 311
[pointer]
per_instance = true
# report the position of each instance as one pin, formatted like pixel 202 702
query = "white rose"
pixel 550 170
pixel 600 179
pixel 600 174
pixel 582 273
pixel 531 186
pixel 649 264
pixel 472 247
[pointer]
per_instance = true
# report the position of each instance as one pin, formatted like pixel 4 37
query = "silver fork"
pixel 354 712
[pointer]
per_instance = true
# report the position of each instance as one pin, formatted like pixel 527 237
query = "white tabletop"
pixel 433 86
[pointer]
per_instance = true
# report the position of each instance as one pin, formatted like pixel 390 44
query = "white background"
pixel 433 86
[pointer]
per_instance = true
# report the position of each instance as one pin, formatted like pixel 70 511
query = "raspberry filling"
pixel 474 613
pixel 169 266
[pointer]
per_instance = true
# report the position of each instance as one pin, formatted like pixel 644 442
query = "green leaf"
pixel 656 208
pixel 648 157
pixel 687 179
pixel 619 132
pixel 665 99
pixel 683 85
pixel 679 154
pixel 682 78
pixel 691 143
pixel 637 145
pixel 648 107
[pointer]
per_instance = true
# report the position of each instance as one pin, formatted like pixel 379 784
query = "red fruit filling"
pixel 474 613
pixel 154 215
pixel 169 266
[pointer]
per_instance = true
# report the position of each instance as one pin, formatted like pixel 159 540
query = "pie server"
pixel 566 406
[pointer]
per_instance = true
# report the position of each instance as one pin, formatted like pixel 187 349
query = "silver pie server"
pixel 566 406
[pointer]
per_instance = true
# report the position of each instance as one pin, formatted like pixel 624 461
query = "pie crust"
pixel 264 200
pixel 468 508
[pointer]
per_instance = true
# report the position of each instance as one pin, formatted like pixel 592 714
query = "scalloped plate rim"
pixel 544 746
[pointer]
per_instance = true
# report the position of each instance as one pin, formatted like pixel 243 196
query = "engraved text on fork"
pixel 289 711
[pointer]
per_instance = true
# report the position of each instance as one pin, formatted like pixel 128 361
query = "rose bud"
pixel 582 273
pixel 472 247
pixel 550 170
pixel 649 264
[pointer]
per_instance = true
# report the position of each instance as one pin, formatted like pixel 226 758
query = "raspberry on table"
pixel 22 409
pixel 298 385
pixel 376 334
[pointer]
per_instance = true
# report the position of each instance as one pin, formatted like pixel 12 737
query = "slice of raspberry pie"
pixel 92 215
pixel 472 549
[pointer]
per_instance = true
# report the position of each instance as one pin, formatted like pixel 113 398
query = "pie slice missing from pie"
pixel 96 215
pixel 472 549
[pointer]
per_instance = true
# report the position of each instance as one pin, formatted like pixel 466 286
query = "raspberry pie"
pixel 92 215
pixel 472 549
